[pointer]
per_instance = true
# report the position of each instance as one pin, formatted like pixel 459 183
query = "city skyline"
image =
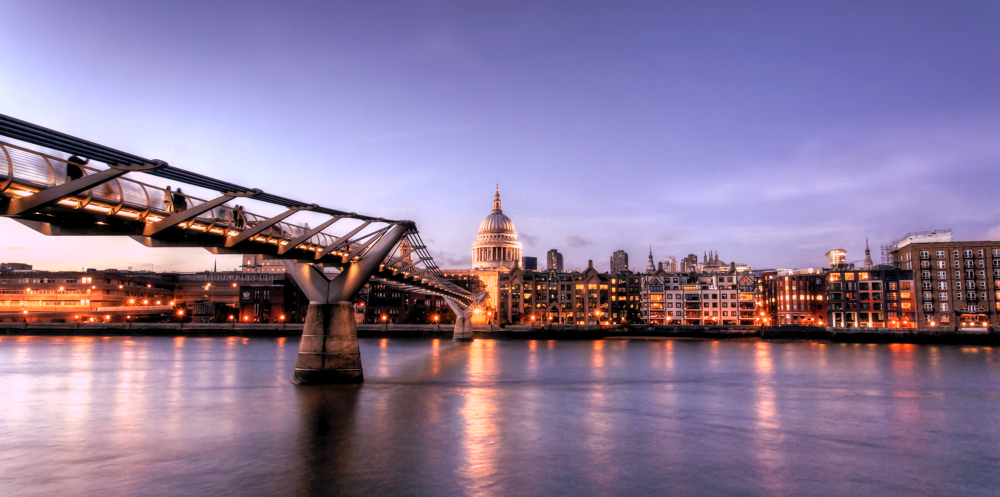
pixel 770 134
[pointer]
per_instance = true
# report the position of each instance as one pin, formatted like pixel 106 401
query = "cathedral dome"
pixel 496 243
pixel 497 223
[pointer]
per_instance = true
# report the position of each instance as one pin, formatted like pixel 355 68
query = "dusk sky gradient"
pixel 768 131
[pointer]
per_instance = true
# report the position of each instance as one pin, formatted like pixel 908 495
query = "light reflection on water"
pixel 166 416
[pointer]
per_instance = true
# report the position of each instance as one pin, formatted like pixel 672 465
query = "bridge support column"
pixel 328 352
pixel 463 322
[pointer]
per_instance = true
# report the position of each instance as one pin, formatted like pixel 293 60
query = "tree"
pixel 633 316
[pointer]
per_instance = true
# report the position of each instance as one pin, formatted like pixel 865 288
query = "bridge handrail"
pixel 32 171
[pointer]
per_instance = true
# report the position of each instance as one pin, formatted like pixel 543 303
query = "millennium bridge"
pixel 99 191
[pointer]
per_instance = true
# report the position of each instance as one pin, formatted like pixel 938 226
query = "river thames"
pixel 219 416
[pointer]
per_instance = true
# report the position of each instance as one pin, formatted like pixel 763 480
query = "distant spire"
pixel 650 267
pixel 496 201
pixel 868 256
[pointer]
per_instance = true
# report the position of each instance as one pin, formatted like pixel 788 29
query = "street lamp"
pixel 436 323
pixel 385 322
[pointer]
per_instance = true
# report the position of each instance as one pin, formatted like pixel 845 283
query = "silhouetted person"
pixel 239 217
pixel 168 200
pixel 73 169
pixel 180 202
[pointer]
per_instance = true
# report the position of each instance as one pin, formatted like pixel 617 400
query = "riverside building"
pixel 676 298
pixel 555 297
pixel 119 296
pixel 793 297
pixel 958 282
pixel 878 297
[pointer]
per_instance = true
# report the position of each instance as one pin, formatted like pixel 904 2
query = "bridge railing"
pixel 24 172
pixel 32 171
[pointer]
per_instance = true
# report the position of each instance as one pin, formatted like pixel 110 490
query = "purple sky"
pixel 768 131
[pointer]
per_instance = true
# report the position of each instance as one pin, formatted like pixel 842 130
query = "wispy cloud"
pixel 529 240
pixel 448 260
pixel 576 241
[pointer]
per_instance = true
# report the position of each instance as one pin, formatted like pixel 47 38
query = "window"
pixel 941 265
pixel 928 307
pixel 944 308
pixel 954 254
pixel 972 295
pixel 926 285
pixel 996 252
pixel 955 263
pixel 970 275
pixel 968 254
pixel 924 254
pixel 939 254
pixel 942 275
pixel 943 296
pixel 981 263
pixel 849 276
pixel 980 252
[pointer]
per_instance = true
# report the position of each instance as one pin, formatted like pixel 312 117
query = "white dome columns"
pixel 496 254
pixel 496 243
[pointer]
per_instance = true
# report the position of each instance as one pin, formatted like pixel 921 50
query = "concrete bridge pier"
pixel 328 351
pixel 463 322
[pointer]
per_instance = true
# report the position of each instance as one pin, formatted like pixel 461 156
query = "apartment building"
pixel 556 297
pixel 793 297
pixel 878 297
pixel 958 282
pixel 676 298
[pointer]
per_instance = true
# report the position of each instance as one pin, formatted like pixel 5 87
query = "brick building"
pixel 878 297
pixel 793 297
pixel 958 282
pixel 557 297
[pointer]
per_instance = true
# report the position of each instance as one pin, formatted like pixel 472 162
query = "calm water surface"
pixel 216 416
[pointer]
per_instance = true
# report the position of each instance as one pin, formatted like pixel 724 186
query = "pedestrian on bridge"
pixel 180 201
pixel 239 217
pixel 168 200
pixel 73 169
